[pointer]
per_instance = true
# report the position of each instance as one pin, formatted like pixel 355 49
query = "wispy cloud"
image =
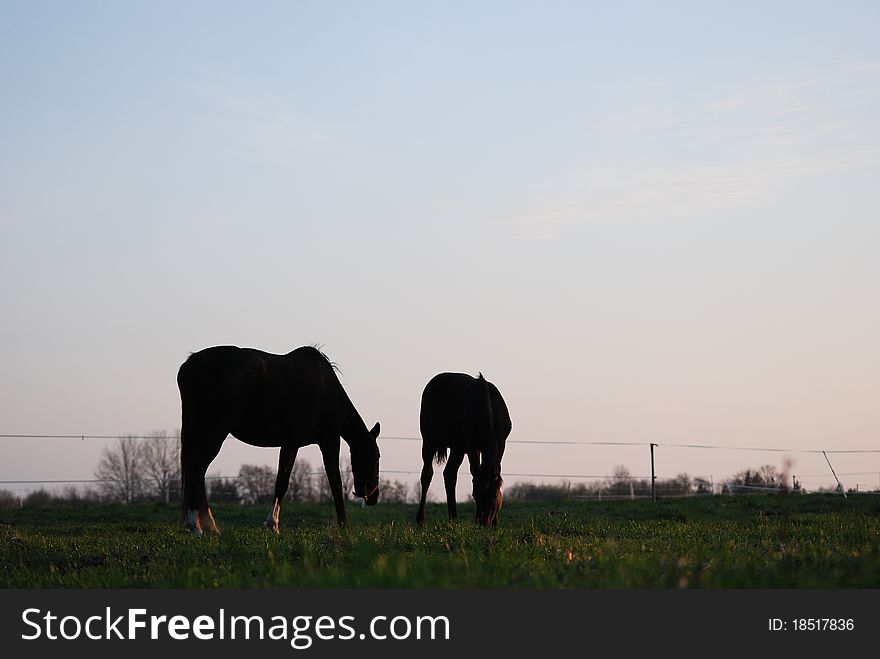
pixel 263 126
pixel 608 194
pixel 728 150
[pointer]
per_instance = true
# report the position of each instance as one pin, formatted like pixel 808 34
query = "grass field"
pixel 718 542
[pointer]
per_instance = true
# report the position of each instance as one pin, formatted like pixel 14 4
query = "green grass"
pixel 719 542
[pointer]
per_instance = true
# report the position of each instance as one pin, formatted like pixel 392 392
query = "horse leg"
pixel 474 464
pixel 450 476
pixel 330 453
pixel 282 482
pixel 427 475
pixel 195 459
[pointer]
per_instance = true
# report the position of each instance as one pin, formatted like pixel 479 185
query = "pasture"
pixel 815 541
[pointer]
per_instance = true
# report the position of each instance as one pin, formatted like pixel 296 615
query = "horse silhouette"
pixel 269 400
pixel 464 415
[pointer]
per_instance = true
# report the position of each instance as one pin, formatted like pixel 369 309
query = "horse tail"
pixel 440 454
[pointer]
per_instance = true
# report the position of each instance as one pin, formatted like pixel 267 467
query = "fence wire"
pixel 774 449
pixel 606 477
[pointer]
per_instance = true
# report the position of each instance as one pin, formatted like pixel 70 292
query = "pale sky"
pixel 642 221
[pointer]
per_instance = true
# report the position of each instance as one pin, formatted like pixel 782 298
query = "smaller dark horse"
pixel 464 415
pixel 268 400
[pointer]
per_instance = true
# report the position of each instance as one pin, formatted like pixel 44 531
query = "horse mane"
pixel 319 347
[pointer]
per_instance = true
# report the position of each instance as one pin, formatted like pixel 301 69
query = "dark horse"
pixel 269 400
pixel 465 416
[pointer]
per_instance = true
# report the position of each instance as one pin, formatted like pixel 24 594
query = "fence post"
pixel 839 484
pixel 653 478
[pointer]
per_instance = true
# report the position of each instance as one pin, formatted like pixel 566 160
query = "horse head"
pixel 365 467
pixel 487 495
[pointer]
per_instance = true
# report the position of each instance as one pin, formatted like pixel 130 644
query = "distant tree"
pixel 90 495
pixel 70 494
pixel 679 485
pixel 161 457
pixel 256 483
pixel 37 498
pixel 526 491
pixel 702 486
pixel 347 477
pixel 121 470
pixel 301 487
pixel 755 480
pixel 8 499
pixel 620 482
pixel 322 483
pixel 223 490
pixel 395 492
pixel 771 476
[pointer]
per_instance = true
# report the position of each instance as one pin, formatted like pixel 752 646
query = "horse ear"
pixel 375 431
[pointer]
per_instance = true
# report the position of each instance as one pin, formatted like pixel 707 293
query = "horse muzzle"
pixel 371 498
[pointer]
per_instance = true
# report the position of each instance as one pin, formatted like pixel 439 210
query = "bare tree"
pixel 9 499
pixel 301 486
pixel 771 476
pixel 256 483
pixel 347 478
pixel 703 486
pixel 322 483
pixel 749 481
pixel 223 490
pixel 161 456
pixel 38 498
pixel 621 481
pixel 396 492
pixel 120 470
pixel 681 484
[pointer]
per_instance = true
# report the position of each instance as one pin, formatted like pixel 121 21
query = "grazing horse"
pixel 268 400
pixel 465 416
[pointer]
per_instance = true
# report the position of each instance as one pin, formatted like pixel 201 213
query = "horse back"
pixel 464 413
pixel 260 397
